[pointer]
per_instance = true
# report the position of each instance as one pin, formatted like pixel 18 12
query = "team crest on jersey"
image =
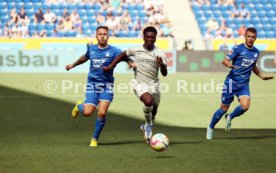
pixel 256 55
pixel 97 63
pixel 107 54
pixel 247 62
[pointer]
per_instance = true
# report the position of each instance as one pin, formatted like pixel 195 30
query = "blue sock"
pixel 99 127
pixel 216 117
pixel 237 112
pixel 80 107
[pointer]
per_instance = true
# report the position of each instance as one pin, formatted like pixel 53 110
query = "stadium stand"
pixel 230 15
pixel 72 18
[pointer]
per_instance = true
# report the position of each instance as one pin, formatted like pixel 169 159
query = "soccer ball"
pixel 159 142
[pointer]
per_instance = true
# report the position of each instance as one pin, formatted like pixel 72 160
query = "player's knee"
pixel 148 102
pixel 87 113
pixel 245 107
pixel 102 114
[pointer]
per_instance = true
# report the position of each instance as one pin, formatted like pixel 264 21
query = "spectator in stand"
pixel 67 23
pixel 115 4
pixel 241 31
pixel 13 17
pixel 6 31
pixel 60 26
pixel 229 32
pixel 100 19
pixel 22 16
pixel 77 23
pixel 235 13
pixel 111 22
pixel 50 17
pixel 43 33
pixel 208 40
pixel 79 33
pixel 188 45
pixel 15 31
pixel 35 35
pixel 226 2
pixel 24 30
pixel 65 14
pixel 74 16
pixel 138 25
pixel 212 24
pixel 125 21
pixel 244 13
pixel 39 16
pixel 55 1
pixel 54 33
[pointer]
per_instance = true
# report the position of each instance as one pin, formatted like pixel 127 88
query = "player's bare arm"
pixel 227 63
pixel 259 74
pixel 81 60
pixel 118 59
pixel 163 67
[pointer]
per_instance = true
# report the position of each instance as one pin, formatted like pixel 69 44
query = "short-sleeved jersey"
pixel 245 59
pixel 146 66
pixel 98 58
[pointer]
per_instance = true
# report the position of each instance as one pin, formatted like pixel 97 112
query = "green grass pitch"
pixel 38 135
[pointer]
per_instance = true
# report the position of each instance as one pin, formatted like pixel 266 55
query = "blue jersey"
pixel 245 59
pixel 98 58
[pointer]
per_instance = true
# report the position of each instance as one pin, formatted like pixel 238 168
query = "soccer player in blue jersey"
pixel 99 89
pixel 243 58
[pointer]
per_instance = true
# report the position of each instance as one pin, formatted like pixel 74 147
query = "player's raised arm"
pixel 259 74
pixel 118 59
pixel 81 60
pixel 226 62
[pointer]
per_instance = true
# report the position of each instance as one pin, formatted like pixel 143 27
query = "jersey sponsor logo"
pixel 247 62
pixel 97 63
pixel 144 60
pixel 243 53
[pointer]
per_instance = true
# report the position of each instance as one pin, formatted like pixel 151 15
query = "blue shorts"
pixel 98 92
pixel 230 90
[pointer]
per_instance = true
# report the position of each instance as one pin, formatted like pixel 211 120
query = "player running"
pixel 148 59
pixel 99 89
pixel 244 58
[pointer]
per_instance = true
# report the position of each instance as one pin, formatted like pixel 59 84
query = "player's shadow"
pixel 121 143
pixel 164 157
pixel 184 142
pixel 37 119
pixel 247 137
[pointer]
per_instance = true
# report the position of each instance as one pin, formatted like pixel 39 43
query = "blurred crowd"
pixel 218 27
pixel 115 14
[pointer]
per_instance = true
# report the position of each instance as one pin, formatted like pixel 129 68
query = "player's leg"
pixel 156 101
pixel 244 98
pixel 86 108
pixel 215 119
pixel 147 99
pixel 226 99
pixel 142 91
pixel 154 112
pixel 105 99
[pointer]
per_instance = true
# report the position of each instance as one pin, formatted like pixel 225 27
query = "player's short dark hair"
pixel 102 27
pixel 149 29
pixel 253 30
